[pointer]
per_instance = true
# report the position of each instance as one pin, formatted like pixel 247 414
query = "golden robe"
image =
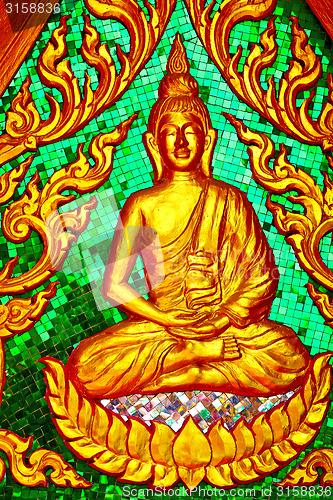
pixel 220 263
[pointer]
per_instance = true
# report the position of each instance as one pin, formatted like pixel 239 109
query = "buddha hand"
pixel 181 318
pixel 213 324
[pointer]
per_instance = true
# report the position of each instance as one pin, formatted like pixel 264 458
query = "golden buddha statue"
pixel 205 325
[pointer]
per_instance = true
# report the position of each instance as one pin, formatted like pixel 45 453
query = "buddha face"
pixel 181 141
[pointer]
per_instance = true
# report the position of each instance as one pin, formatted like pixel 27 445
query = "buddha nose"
pixel 181 142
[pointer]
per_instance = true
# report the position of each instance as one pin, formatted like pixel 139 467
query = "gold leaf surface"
pixel 305 69
pixel 306 473
pixel 25 130
pixel 303 231
pixel 191 448
pixel 37 210
pixel 30 471
pixel 159 456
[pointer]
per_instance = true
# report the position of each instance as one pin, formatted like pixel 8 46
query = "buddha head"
pixel 179 134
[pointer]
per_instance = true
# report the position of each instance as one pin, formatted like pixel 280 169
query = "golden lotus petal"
pixel 306 473
pixel 303 435
pixel 309 390
pixel 283 452
pixel 244 440
pixel 9 181
pixel 30 471
pixel 84 447
pixel 137 471
pixel 222 443
pixel 296 411
pixel 191 477
pixel 165 476
pixel 138 441
pixel 100 423
pixel 161 444
pixel 243 471
pixel 317 413
pixel 191 447
pixel 219 476
pixel 263 435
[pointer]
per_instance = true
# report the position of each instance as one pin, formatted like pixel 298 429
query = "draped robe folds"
pixel 139 356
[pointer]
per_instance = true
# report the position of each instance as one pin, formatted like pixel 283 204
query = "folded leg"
pixel 273 361
pixel 141 357
pixel 126 357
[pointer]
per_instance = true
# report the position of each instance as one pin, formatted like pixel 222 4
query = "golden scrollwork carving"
pixel 38 211
pixel 303 231
pixel 16 317
pixel 20 315
pixel 26 131
pixel 30 471
pixel 158 455
pixel 303 73
pixel 307 472
pixel 323 302
pixel 9 181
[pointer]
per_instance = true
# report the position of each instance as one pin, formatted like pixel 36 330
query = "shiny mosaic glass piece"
pixel 205 407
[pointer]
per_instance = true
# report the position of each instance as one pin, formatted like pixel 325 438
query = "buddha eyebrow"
pixel 183 127
pixel 168 125
pixel 194 125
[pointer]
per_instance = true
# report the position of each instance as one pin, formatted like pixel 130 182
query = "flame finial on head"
pixel 178 62
pixel 178 82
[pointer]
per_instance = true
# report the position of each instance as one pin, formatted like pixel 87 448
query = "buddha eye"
pixel 193 130
pixel 168 132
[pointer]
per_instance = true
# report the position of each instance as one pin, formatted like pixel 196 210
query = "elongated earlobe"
pixel 207 157
pixel 154 155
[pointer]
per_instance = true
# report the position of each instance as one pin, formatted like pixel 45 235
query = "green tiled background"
pixel 73 315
